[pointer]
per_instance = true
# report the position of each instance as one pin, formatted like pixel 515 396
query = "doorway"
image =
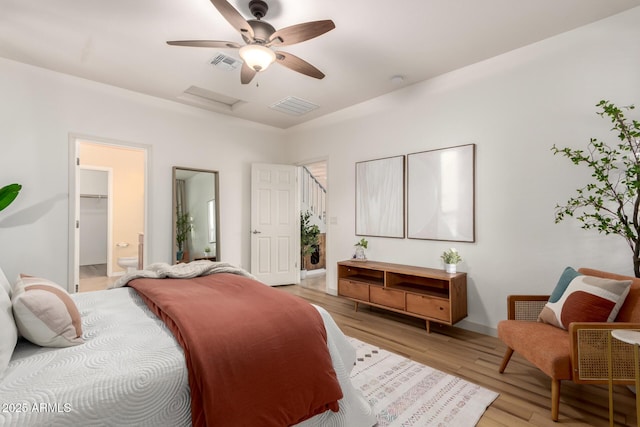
pixel 313 199
pixel 108 189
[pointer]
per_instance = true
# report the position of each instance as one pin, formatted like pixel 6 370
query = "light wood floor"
pixel 94 278
pixel 317 282
pixel 524 391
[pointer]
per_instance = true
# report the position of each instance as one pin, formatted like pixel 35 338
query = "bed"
pixel 131 369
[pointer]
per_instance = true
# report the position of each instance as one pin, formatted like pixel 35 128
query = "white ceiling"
pixel 122 43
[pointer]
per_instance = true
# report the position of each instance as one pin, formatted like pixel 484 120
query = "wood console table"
pixel 425 293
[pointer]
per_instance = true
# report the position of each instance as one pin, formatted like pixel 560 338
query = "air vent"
pixel 294 106
pixel 225 62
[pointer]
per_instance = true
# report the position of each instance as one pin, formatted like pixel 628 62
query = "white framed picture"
pixel 441 194
pixel 380 197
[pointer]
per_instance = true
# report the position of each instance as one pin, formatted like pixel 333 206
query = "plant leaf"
pixel 8 193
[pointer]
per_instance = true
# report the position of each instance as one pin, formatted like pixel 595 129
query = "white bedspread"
pixel 131 371
pixel 186 270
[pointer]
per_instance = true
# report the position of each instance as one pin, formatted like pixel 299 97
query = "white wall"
pixel 40 109
pixel 514 107
pixel 94 216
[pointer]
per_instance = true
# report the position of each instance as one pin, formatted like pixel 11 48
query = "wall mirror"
pixel 196 215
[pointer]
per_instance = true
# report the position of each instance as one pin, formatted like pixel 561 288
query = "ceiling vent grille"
pixel 294 106
pixel 225 62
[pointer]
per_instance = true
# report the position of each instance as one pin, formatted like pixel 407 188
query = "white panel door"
pixel 275 224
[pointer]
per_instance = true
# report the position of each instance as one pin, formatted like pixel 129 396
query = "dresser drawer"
pixel 428 306
pixel 353 289
pixel 387 297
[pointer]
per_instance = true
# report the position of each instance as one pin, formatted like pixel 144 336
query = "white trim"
pixel 477 327
pixel 327 206
pixel 74 212
pixel 316 272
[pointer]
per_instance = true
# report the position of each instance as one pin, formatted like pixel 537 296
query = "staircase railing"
pixel 314 195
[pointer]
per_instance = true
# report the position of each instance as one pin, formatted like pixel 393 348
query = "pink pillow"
pixel 45 313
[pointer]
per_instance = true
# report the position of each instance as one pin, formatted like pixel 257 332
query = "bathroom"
pixel 111 182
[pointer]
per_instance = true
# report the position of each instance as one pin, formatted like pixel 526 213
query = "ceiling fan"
pixel 261 39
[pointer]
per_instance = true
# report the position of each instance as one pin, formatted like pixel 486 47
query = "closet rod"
pixel 93 196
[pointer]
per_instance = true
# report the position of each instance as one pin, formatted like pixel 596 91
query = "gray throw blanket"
pixel 188 270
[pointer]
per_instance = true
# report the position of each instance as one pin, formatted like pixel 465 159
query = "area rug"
pixel 407 393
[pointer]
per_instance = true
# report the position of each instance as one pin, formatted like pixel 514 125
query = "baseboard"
pixel 316 272
pixel 476 327
pixel 333 292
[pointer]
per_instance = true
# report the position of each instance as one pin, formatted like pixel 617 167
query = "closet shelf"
pixel 93 196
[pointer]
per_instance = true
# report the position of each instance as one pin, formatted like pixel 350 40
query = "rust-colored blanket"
pixel 256 356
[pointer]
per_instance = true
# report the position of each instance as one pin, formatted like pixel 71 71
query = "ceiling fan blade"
pixel 300 65
pixel 301 32
pixel 204 43
pixel 234 18
pixel 246 74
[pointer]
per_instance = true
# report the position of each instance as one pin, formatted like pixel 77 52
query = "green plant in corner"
pixel 451 256
pixel 309 236
pixel 8 194
pixel 183 227
pixel 611 204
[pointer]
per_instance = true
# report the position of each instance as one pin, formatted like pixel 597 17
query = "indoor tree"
pixel 183 227
pixel 610 204
pixel 309 236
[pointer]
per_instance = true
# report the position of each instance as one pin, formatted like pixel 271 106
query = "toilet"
pixel 130 263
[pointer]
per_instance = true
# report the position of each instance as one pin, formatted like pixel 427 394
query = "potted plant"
pixel 8 193
pixel 309 238
pixel 451 257
pixel 360 247
pixel 609 203
pixel 207 252
pixel 183 227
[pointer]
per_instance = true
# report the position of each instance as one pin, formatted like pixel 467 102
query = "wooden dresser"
pixel 426 293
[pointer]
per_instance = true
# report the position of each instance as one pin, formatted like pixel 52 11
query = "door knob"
pixel 256 232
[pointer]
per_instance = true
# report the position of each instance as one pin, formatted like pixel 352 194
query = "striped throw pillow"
pixel 45 313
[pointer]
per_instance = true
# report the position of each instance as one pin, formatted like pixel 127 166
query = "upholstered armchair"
pixel 579 354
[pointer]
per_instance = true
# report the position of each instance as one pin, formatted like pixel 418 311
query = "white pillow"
pixel 8 331
pixel 45 313
pixel 4 283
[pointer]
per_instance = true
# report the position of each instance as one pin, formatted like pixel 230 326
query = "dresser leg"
pixel 355 305
pixel 428 326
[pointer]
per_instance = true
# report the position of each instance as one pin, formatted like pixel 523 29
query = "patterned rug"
pixel 406 393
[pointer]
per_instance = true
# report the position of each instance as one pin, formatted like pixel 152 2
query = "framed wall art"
pixel 380 197
pixel 441 194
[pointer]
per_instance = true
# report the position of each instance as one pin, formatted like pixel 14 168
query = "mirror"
pixel 196 215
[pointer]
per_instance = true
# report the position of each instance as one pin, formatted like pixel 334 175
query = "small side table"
pixel 631 337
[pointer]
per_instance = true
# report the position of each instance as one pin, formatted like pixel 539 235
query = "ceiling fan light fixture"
pixel 257 56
